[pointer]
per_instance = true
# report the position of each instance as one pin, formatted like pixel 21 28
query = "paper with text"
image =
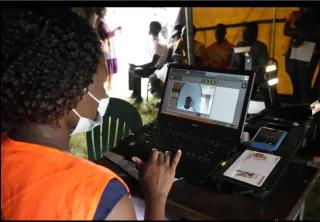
pixel 252 167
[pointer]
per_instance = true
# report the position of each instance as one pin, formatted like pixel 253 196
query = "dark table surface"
pixel 190 201
pixel 193 202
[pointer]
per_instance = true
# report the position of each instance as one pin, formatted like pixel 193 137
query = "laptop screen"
pixel 209 97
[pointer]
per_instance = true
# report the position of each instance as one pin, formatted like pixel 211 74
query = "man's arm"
pixel 150 64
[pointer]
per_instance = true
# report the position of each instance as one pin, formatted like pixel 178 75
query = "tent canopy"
pixel 271 22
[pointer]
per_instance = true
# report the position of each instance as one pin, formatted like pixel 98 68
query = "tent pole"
pixel 273 32
pixel 190 31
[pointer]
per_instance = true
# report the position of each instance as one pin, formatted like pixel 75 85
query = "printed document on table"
pixel 303 52
pixel 252 167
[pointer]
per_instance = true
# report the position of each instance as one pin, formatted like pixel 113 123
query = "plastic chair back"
pixel 121 119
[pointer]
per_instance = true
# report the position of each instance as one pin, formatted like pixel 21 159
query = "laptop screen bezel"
pixel 188 123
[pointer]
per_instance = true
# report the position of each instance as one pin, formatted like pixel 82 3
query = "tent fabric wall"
pixel 208 17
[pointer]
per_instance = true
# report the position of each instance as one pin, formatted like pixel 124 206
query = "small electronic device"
pixel 268 139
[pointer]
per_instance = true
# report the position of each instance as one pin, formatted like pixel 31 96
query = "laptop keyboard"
pixel 196 148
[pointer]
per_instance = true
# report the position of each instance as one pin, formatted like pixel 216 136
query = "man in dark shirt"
pixel 258 53
pixel 302 26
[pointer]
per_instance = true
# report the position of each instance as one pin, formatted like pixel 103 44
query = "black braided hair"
pixel 49 55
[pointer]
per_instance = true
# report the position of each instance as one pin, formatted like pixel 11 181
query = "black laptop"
pixel 202 113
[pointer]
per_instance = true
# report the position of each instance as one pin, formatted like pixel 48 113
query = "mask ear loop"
pixel 85 91
pixel 92 96
pixel 75 111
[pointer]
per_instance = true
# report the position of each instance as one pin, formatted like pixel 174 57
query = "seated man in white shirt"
pixel 160 55
pixel 158 78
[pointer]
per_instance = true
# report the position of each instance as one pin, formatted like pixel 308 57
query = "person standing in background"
pixel 181 49
pixel 106 36
pixel 303 29
pixel 258 54
pixel 218 54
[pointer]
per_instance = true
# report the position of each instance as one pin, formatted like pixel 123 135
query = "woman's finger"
pixel 176 160
pixel 154 155
pixel 137 161
pixel 167 156
pixel 160 157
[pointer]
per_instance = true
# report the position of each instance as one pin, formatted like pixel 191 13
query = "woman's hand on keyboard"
pixel 156 178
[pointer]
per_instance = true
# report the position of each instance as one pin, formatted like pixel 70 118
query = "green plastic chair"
pixel 120 120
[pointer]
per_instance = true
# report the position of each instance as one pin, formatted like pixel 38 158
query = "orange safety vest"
pixel 39 182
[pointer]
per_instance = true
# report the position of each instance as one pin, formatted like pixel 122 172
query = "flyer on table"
pixel 252 167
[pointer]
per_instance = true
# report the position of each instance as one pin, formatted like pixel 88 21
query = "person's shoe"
pixel 133 96
pixel 152 91
pixel 138 100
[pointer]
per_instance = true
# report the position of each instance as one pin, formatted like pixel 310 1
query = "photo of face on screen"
pixel 215 98
pixel 192 97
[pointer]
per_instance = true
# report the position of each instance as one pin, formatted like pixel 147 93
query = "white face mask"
pixel 86 124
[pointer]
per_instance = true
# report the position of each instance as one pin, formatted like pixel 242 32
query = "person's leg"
pixel 143 72
pixel 136 83
pixel 130 73
pixel 159 87
pixel 113 68
pixel 305 73
pixel 156 84
pixel 137 74
pixel 312 70
pixel 291 69
pixel 152 79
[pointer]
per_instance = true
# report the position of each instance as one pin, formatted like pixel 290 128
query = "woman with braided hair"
pixel 52 80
